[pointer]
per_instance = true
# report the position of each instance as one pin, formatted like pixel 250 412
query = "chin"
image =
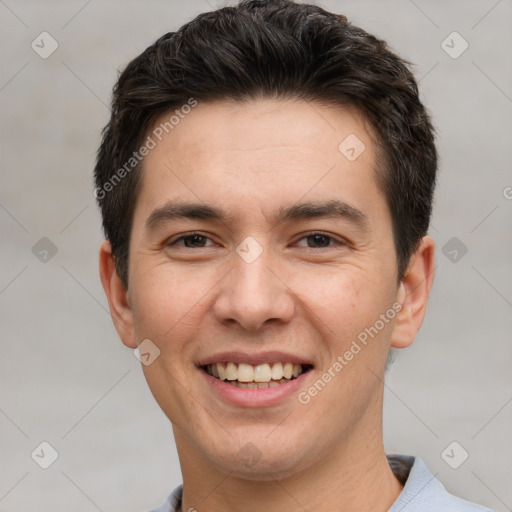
pixel 260 461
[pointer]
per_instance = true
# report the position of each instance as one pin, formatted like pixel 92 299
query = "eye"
pixel 320 240
pixel 191 240
pixel 315 240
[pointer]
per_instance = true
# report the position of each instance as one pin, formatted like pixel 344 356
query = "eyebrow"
pixel 303 211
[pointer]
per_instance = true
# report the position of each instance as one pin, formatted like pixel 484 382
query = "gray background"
pixel 67 379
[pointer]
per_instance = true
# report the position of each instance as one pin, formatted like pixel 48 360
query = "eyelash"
pixel 311 234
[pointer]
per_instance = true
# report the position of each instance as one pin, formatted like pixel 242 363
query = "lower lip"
pixel 246 397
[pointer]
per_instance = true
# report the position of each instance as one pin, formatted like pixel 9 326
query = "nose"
pixel 253 294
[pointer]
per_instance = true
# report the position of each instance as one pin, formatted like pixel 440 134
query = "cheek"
pixel 167 304
pixel 346 304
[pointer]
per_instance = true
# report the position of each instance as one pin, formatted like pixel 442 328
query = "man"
pixel 266 182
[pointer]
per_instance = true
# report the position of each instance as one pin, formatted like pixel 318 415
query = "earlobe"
pixel 117 296
pixel 413 294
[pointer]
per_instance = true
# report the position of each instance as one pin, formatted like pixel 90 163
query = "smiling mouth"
pixel 259 376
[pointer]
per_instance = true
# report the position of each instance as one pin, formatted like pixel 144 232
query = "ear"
pixel 117 296
pixel 413 294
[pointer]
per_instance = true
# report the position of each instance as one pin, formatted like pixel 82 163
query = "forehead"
pixel 264 151
pixel 258 124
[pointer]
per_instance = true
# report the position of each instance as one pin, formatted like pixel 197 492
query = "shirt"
pixel 422 491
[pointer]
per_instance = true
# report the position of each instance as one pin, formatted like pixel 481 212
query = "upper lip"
pixel 254 359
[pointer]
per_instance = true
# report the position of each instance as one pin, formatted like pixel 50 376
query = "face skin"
pixel 303 295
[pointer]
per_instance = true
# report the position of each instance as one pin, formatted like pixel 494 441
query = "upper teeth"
pixel 257 373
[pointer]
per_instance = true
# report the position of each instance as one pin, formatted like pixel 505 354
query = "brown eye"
pixel 320 240
pixel 191 241
pixel 194 240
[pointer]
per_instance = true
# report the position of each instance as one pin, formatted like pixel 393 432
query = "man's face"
pixel 303 285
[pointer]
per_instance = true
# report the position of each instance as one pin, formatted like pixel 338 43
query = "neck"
pixel 353 477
